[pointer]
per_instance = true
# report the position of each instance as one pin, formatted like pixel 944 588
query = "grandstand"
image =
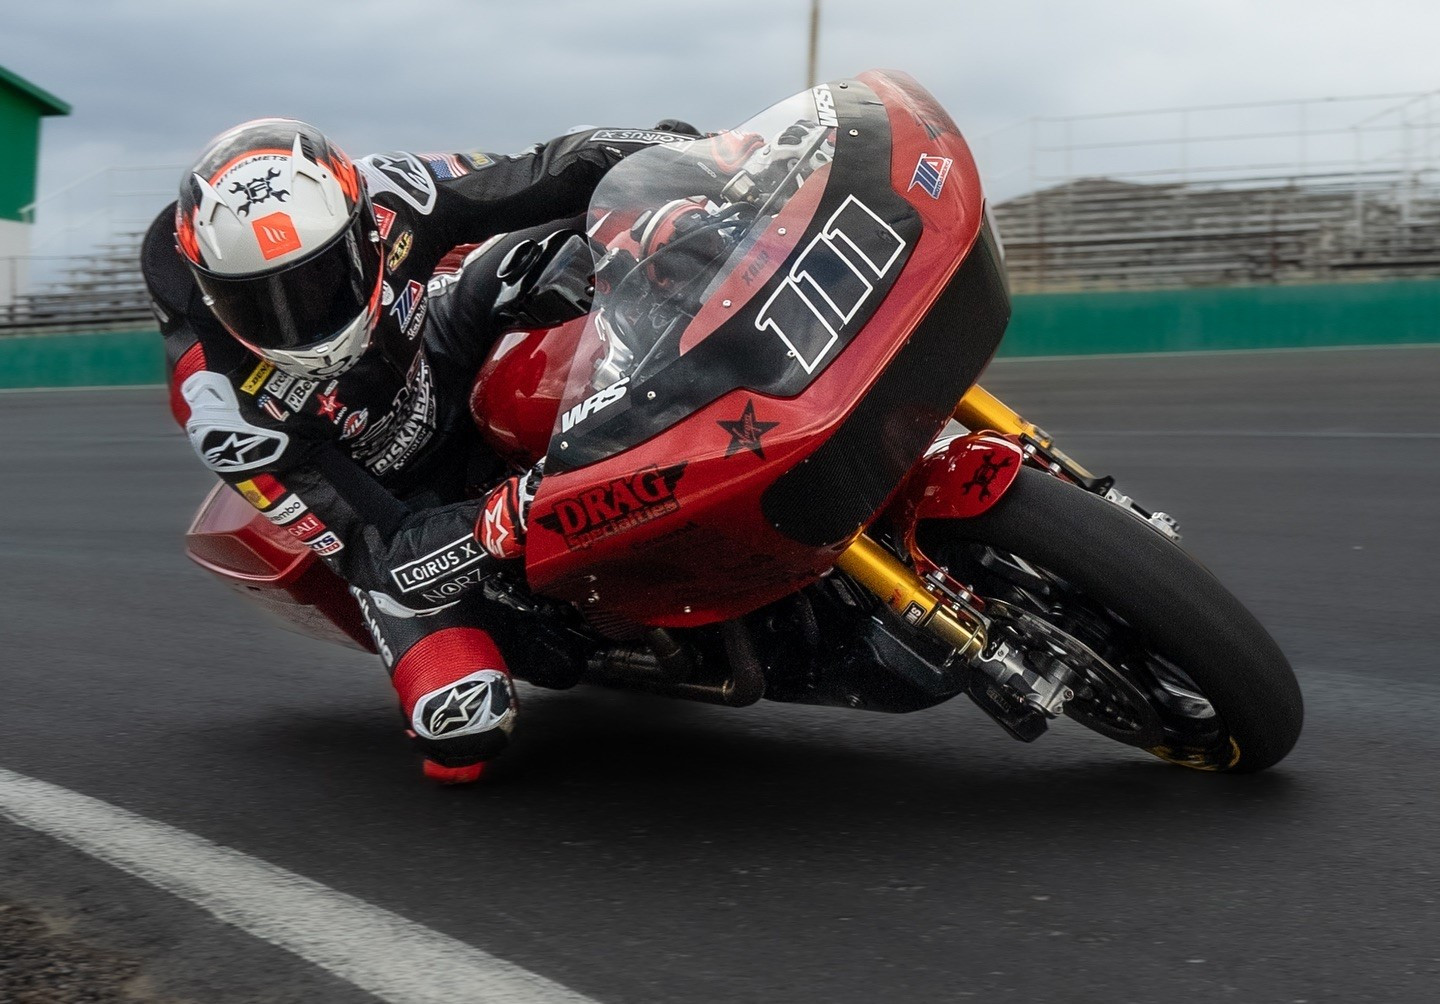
pixel 1338 190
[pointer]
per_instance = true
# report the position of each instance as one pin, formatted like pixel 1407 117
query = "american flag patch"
pixel 272 409
pixel 447 166
pixel 930 174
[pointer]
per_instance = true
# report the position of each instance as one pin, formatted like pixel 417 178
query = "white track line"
pixel 378 951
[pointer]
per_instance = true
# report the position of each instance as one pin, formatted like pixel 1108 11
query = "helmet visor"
pixel 305 303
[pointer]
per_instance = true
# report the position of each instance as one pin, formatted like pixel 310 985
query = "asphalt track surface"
pixel 637 849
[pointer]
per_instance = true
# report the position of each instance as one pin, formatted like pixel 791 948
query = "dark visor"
pixel 306 303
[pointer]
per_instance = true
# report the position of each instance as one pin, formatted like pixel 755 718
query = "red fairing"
pixel 962 478
pixel 959 479
pixel 671 532
pixel 516 397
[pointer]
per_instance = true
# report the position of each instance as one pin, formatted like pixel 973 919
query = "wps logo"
pixel 621 505
pixel 592 404
pixel 276 235
pixel 830 282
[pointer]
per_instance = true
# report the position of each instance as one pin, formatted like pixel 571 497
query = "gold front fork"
pixel 979 410
pixel 907 594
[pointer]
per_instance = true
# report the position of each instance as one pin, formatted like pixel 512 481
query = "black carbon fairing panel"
pixel 840 487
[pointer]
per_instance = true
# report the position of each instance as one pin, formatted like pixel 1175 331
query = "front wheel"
pixel 1155 651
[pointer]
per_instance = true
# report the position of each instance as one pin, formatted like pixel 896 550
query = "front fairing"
pixel 688 237
pixel 731 419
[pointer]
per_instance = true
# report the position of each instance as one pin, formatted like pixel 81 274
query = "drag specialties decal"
pixel 621 505
pixel 830 282
pixel 592 404
pixel 276 235
pixel 447 166
pixel 404 310
pixel 220 435
pixel 441 563
pixel 257 378
pixel 649 137
pixel 287 510
pixel 392 440
pixel 479 702
pixel 745 432
pixel 402 174
pixel 930 174
pixel 384 220
pixel 401 250
pixel 258 190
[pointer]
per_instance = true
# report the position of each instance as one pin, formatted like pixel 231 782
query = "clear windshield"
pixel 691 237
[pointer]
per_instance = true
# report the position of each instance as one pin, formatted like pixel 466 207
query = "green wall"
pixel 82 360
pixel 1248 317
pixel 1259 317
pixel 20 139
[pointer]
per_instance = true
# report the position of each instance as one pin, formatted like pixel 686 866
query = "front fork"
pixel 926 597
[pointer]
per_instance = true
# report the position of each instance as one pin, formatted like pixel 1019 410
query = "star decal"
pixel 458 709
pixel 745 432
pixel 328 404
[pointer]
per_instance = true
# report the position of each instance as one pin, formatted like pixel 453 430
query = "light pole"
pixel 810 78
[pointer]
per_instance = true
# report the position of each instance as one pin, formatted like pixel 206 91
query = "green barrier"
pixel 82 360
pixel 1043 324
pixel 1248 317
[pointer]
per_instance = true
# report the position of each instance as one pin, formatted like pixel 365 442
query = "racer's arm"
pixel 309 488
pixel 498 193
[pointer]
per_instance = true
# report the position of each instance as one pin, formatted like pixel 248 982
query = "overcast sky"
pixel 151 80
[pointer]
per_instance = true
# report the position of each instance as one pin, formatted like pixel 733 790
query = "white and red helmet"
pixel 279 232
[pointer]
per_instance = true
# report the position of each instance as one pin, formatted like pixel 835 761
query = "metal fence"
pixel 1267 192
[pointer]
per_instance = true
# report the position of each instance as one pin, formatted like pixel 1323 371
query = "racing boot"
pixel 458 700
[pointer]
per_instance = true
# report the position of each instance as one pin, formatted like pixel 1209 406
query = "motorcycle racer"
pixel 319 372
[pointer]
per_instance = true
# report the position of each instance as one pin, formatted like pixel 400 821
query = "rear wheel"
pixel 1155 652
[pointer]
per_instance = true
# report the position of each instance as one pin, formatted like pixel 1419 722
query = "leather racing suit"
pixel 377 470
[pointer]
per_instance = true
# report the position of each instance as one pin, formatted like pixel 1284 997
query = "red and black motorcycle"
pixel 770 472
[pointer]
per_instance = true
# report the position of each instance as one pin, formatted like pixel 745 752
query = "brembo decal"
pixel 287 510
pixel 222 437
pixel 439 564
pixel 830 282
pixel 621 505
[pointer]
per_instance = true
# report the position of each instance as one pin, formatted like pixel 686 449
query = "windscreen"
pixel 745 259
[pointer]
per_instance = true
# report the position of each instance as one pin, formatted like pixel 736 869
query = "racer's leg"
pixel 456 695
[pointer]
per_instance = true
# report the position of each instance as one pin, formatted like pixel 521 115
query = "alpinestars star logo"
pixel 234 451
pixel 745 432
pixel 986 474
pixel 480 702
